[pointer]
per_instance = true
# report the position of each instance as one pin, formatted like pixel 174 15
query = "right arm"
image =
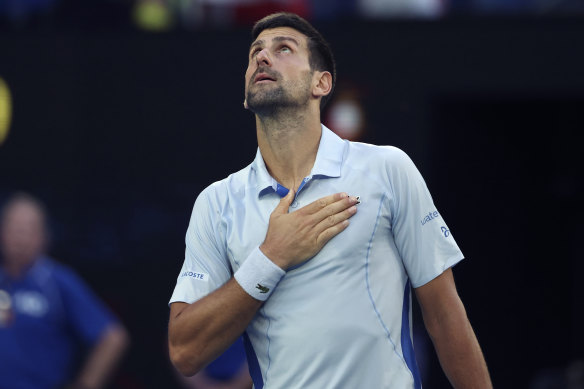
pixel 199 332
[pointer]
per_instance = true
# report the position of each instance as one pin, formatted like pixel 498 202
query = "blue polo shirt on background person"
pixel 49 315
pixel 54 332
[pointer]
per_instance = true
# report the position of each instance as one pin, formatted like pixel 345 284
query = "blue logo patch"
pixel 445 231
pixel 429 217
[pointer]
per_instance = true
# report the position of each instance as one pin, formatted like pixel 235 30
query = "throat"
pixel 290 158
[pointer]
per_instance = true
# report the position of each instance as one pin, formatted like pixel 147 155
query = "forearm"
pixel 458 350
pixel 199 332
pixel 103 359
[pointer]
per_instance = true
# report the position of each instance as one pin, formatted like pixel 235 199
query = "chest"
pixel 31 307
pixel 249 224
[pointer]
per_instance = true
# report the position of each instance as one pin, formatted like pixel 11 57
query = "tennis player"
pixel 313 249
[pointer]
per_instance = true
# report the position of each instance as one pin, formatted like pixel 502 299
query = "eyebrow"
pixel 260 42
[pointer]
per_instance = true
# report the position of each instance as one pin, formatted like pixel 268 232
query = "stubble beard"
pixel 269 102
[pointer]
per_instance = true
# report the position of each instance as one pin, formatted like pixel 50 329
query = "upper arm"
pixel 206 266
pixel 439 300
pixel 425 244
pixel 176 309
pixel 453 337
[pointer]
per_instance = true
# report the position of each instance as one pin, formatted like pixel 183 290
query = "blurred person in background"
pixel 318 279
pixel 48 315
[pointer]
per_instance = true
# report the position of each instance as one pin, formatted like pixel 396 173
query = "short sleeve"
pixel 422 237
pixel 86 314
pixel 205 266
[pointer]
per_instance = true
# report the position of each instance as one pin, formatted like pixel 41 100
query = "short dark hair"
pixel 320 54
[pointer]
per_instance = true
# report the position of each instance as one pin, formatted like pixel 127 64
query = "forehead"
pixel 270 34
pixel 22 212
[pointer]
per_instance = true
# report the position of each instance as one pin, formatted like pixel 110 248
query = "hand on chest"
pixel 250 223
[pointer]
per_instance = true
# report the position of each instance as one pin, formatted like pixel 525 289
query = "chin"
pixel 262 104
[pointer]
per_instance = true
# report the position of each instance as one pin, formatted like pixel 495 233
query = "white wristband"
pixel 258 276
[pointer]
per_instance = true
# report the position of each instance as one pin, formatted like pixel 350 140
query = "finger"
pixel 331 232
pixel 334 208
pixel 334 220
pixel 284 203
pixel 321 203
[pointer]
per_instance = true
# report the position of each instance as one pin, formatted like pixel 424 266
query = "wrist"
pixel 258 275
pixel 272 256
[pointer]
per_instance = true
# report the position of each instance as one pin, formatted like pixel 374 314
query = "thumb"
pixel 285 202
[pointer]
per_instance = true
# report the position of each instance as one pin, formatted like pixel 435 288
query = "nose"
pixel 263 57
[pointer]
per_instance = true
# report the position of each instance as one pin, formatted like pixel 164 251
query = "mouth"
pixel 263 77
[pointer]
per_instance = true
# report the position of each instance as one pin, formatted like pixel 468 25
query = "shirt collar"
pixel 328 163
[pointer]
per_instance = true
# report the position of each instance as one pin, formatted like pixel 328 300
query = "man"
pixel 47 312
pixel 279 250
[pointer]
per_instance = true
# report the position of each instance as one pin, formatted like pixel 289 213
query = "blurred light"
pixel 5 110
pixel 346 118
pixel 153 15
pixel 379 9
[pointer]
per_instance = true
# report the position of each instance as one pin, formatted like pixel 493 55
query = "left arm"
pixel 454 340
pixel 103 358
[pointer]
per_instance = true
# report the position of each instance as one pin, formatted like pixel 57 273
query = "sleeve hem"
pixel 453 260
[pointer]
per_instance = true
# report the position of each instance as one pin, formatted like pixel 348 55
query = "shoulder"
pixel 371 151
pixel 60 272
pixel 215 203
pixel 51 271
pixel 218 192
pixel 388 158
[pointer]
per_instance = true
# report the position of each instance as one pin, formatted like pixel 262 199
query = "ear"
pixel 245 104
pixel 323 84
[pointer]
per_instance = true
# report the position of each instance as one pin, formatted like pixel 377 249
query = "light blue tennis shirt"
pixel 341 319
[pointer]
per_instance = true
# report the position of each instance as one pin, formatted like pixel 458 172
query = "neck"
pixel 14 270
pixel 289 143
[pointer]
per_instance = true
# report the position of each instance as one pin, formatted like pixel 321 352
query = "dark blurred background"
pixel 122 111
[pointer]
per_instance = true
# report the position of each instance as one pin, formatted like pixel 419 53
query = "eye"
pixel 254 52
pixel 285 49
